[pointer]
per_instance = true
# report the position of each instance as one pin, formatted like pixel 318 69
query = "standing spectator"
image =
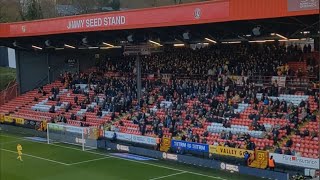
pixel 246 158
pixel 271 163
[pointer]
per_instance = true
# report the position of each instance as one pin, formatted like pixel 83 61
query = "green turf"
pixel 6 76
pixel 51 162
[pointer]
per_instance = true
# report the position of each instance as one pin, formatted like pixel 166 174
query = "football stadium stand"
pixel 146 80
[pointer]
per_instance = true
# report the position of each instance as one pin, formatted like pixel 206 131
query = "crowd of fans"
pixel 195 102
pixel 243 60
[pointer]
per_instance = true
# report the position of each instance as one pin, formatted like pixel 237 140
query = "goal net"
pixel 86 137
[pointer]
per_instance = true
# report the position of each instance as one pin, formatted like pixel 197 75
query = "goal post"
pixel 86 137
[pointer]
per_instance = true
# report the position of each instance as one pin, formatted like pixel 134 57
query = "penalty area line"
pixel 92 160
pixel 170 175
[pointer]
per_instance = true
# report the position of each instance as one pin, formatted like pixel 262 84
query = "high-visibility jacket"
pixel 271 163
pixel 158 140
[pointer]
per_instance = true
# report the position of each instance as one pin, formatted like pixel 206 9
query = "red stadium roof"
pixel 187 14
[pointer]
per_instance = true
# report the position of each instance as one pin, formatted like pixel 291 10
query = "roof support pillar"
pixel 138 68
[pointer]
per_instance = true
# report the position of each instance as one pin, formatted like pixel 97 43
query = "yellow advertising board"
pixel 212 149
pixel 165 144
pixel 261 160
pixel 1 118
pixel 8 119
pixel 228 151
pixel 19 121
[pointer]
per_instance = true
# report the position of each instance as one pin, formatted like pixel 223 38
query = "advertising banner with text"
pixel 296 161
pixel 190 146
pixel 131 138
pixel 299 5
pixel 153 17
pixel 228 151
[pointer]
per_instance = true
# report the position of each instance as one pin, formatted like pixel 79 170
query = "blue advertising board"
pixel 190 146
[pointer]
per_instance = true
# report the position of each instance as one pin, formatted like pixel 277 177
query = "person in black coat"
pixel 289 143
pixel 52 109
pixel 75 99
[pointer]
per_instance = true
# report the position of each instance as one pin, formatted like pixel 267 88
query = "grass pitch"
pixel 58 161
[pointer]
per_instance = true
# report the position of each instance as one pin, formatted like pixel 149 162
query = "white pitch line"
pixel 140 162
pixel 45 159
pixel 88 161
pixel 162 177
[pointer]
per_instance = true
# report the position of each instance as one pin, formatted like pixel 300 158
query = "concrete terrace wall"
pixel 32 70
pixel 33 67
pixel 4 61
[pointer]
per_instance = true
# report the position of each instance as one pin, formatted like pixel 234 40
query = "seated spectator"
pixel 278 150
pixel 251 146
pixel 227 144
pixel 58 103
pixel 287 151
pixel 52 90
pixel 313 118
pixel 289 143
pixel 99 113
pixel 266 101
pixel 83 106
pixel 52 97
pixel 68 107
pixel 83 118
pixel 90 109
pixel 223 135
pixel 314 134
pixel 75 99
pixel 44 93
pixel 73 117
pixel 229 136
pixel 302 104
pixel 306 132
pixel 52 109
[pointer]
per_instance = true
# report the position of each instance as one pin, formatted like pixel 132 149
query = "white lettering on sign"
pixel 75 24
pixel 122 148
pixel 97 22
pixel 170 156
pixel 232 168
